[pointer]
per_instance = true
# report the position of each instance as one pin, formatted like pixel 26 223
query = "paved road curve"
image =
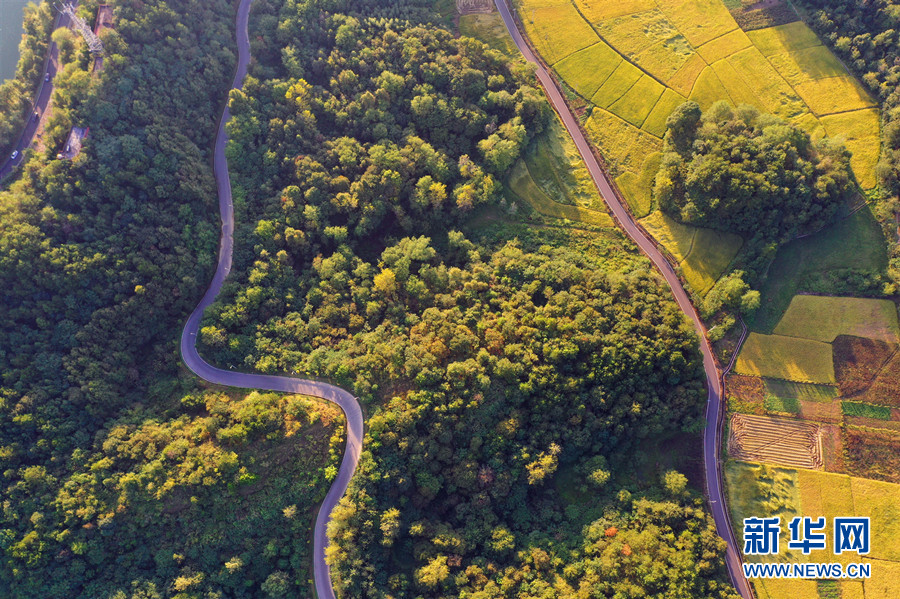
pixel 712 434
pixel 51 65
pixel 192 359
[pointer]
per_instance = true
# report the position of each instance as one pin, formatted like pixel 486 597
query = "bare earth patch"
pixel 873 454
pixel 857 361
pixel 781 441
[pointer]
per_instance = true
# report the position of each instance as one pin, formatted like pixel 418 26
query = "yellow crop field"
pixel 784 38
pixel 674 236
pixel 773 92
pixel 665 58
pixel 655 123
pixel 834 94
pixel 878 500
pixel 617 85
pixel 586 70
pixel 885 581
pixel 632 34
pixel 708 89
pixel 809 123
pixel 738 90
pixel 816 62
pixel 557 31
pixel 683 79
pixel 597 11
pixel 524 187
pixel 636 188
pixel 852 589
pixel 624 146
pixel 823 318
pixel 781 588
pixel 542 3
pixel 860 131
pixel 710 255
pixel 698 20
pixel 724 46
pixel 789 358
pixel 638 101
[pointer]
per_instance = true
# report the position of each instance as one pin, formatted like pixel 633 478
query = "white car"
pixel 15 155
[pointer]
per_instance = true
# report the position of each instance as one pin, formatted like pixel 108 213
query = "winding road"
pixel 714 411
pixel 349 404
pixel 346 401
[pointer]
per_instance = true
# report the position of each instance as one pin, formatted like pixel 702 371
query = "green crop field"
pixel 823 318
pixel 809 263
pixel 789 358
pixel 789 390
pixel 784 38
pixel 488 29
pixel 860 130
pixel 556 31
pixel 655 123
pixel 724 46
pixel 522 185
pixel 586 70
pixel 786 405
pixel 556 166
pixel 617 85
pixel 865 410
pixel 711 253
pixel 638 101
pixel 636 188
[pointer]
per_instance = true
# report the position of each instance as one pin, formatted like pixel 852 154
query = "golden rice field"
pixel 724 46
pixel 624 146
pixel 760 490
pixel 822 318
pixel 788 358
pixel 638 59
pixel 586 70
pixel 676 237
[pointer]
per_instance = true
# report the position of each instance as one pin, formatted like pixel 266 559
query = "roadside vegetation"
pixel 17 93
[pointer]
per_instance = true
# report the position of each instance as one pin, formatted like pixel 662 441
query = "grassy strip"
pixel 865 410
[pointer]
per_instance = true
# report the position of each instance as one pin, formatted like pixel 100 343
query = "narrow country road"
pixel 714 410
pixel 192 359
pixel 45 91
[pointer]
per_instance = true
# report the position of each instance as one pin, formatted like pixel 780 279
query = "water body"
pixel 11 16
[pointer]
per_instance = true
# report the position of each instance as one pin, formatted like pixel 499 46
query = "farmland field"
pixel 784 38
pixel 557 31
pixel 711 253
pixel 636 188
pixel 655 124
pixel 783 441
pixel 617 84
pixel 557 167
pixel 638 101
pixel 724 46
pixel 759 490
pixel 624 146
pixel 490 29
pixel 860 130
pixel 674 236
pixel 800 391
pixel 823 318
pixel 789 358
pixel 586 70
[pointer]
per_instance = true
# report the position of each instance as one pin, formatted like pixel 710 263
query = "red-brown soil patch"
pixel 857 361
pixel 745 388
pixel 872 454
pixel 885 388
pixel 832 448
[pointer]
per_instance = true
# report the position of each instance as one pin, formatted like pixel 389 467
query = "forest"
pixel 516 376
pixel 865 34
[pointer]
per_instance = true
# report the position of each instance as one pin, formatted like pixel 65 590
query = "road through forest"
pixel 349 404
pixel 192 359
pixel 712 433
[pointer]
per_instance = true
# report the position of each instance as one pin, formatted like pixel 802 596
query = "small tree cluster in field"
pixel 738 170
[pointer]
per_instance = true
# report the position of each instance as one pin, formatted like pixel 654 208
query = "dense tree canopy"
pixel 750 173
pixel 493 365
